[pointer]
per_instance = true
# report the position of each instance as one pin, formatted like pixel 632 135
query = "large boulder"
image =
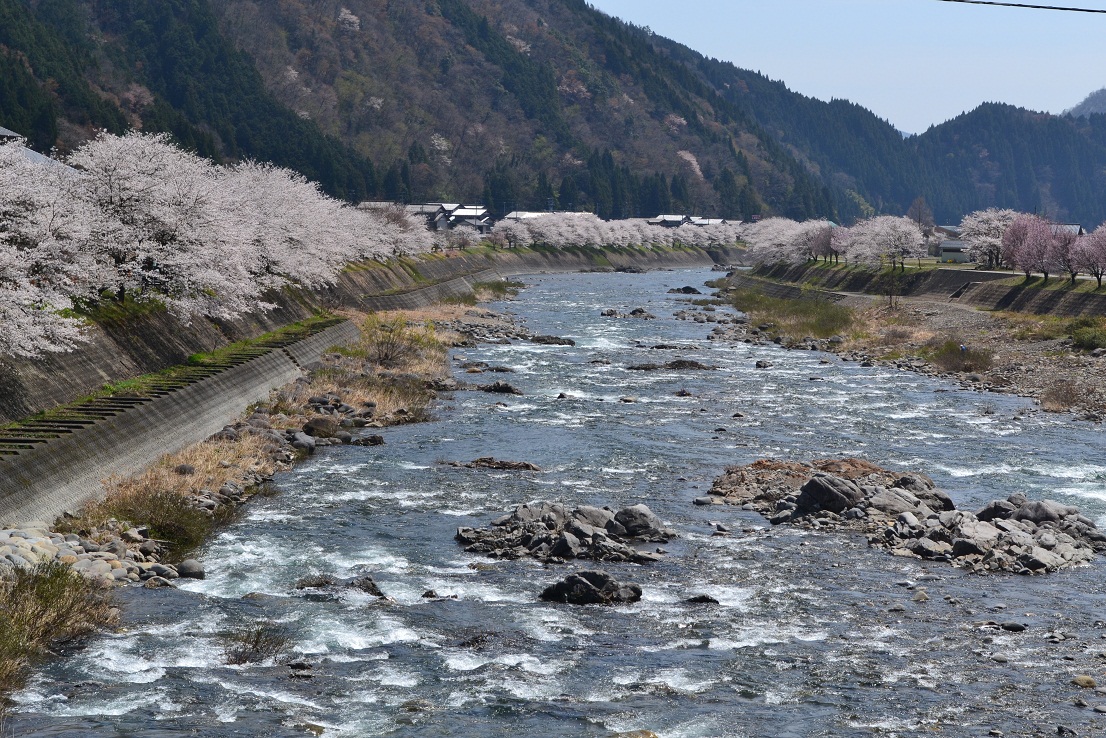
pixel 591 588
pixel 996 510
pixel 596 517
pixel 639 522
pixel 1043 511
pixel 893 502
pixel 323 426
pixel 827 492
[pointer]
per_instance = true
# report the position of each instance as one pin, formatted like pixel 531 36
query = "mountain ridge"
pixel 520 103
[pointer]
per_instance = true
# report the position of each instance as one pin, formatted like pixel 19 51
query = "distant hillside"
pixel 1092 104
pixel 518 103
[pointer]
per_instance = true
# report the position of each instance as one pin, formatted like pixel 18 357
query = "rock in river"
pixel 550 532
pixel 591 588
pixel 501 388
pixel 907 515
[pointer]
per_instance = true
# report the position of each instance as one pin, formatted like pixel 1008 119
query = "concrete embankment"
pixel 50 466
pixel 54 466
pixel 980 289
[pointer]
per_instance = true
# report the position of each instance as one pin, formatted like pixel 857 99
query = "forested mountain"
pixel 519 103
pixel 1092 103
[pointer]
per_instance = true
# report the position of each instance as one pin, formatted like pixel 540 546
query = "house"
pixel 946 234
pixel 472 216
pixel 1073 228
pixel 953 251
pixel 669 221
pixel 697 221
pixel 442 216
pixel 435 214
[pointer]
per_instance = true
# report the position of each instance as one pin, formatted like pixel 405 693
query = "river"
pixel 815 634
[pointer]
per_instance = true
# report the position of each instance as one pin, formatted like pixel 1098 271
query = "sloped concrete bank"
pixel 935 282
pixel 969 287
pixel 59 465
pixel 48 467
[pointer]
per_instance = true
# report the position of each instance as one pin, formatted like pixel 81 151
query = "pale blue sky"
pixel 914 62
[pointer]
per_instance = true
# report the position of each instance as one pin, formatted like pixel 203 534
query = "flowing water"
pixel 815 634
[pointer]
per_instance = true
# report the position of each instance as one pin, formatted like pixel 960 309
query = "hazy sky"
pixel 914 62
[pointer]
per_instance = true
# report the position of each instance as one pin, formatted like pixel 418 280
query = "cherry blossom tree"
pixel 162 226
pixel 773 241
pixel 1092 253
pixel 983 231
pixel 43 268
pixel 1013 242
pixel 1032 245
pixel 1064 251
pixel 886 239
pixel 841 239
pixel 815 238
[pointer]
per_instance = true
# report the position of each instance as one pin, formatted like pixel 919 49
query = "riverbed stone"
pixel 550 532
pixel 191 569
pixel 591 588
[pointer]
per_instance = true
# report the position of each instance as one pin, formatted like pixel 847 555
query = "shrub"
pixel 953 356
pixel 498 289
pixel 256 643
pixel 390 343
pixel 41 606
pixel 1088 333
pixel 1062 395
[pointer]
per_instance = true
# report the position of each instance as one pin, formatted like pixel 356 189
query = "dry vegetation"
pixel 161 497
pixel 41 607
pixel 1042 356
pixel 802 317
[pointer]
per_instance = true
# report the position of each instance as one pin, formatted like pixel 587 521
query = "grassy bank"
pixel 799 318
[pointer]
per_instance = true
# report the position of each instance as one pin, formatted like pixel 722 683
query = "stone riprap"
pixel 115 556
pixel 905 514
pixel 550 532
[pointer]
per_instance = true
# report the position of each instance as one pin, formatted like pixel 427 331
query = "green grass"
pixel 951 357
pixel 1088 333
pixel 796 318
pixel 499 288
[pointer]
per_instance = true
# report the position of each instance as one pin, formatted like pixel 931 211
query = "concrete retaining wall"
pixel 967 286
pixel 944 282
pixel 1030 299
pixel 41 482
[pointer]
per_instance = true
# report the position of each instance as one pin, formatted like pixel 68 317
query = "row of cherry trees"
pixel 881 240
pixel 138 218
pixel 134 217
pixel 566 230
pixel 1033 244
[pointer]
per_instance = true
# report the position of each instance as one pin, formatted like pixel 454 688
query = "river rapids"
pixel 814 634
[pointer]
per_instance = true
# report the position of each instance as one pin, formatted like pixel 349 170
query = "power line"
pixel 1024 5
